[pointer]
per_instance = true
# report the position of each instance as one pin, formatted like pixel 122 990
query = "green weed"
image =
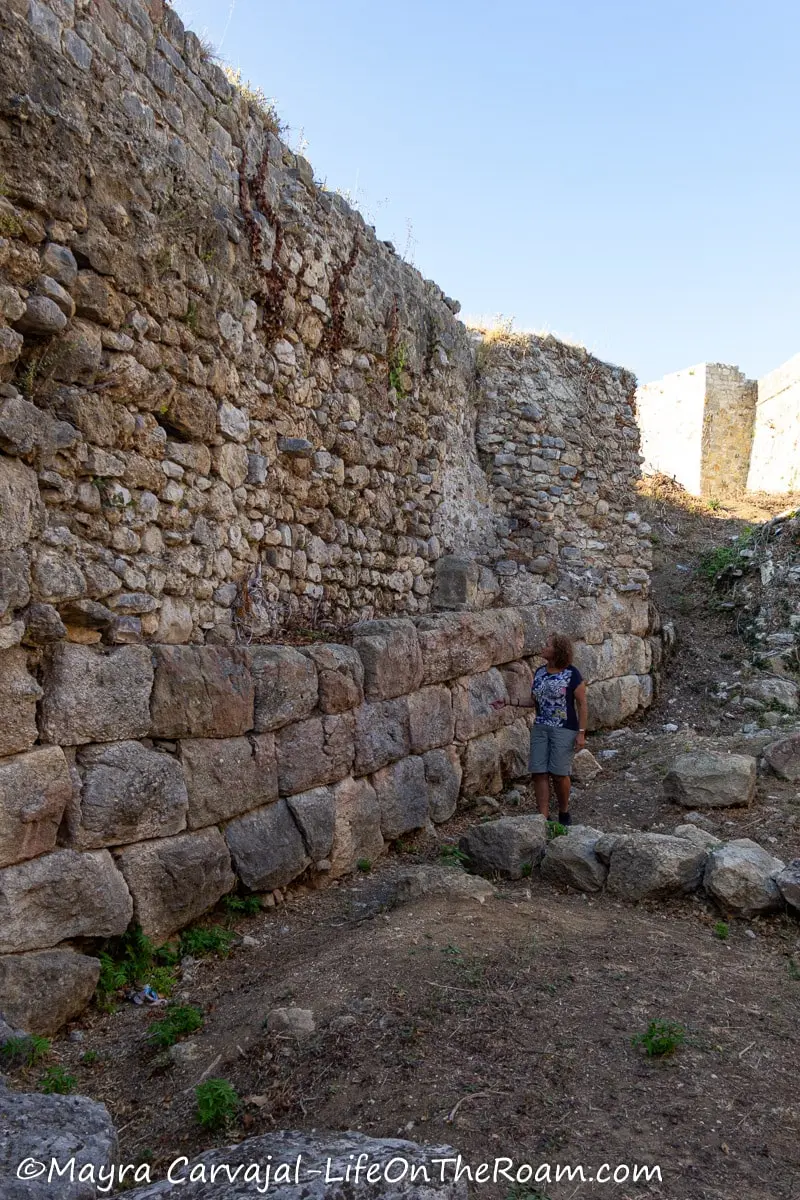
pixel 57 1081
pixel 178 1022
pixel 660 1038
pixel 217 1103
pixel 555 829
pixel 364 865
pixel 722 930
pixel 199 942
pixel 793 968
pixel 133 960
pixel 25 1051
pixel 453 856
pixel 248 906
pixel 90 1058
pixel 397 364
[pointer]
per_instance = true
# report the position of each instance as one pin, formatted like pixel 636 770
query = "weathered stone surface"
pixel 518 677
pixel 43 625
pixel 21 507
pixel 450 883
pixel 570 860
pixel 612 701
pixel 35 789
pixel 285 685
pixel 654 866
pixel 26 429
pixel 174 622
pixel 314 752
pixel 297 1021
pixel 341 676
pixel 710 779
pixel 357 831
pixel 579 622
pixel 483 774
pixel 43 990
pixel 780 693
pixel 44 1128
pixel 788 880
pixel 402 796
pixel 381 734
pixel 619 654
pixel 129 793
pixel 201 691
pixel 783 757
pixel 19 692
pixel 56 578
pixel 60 896
pixel 742 877
pixel 315 814
pixel 15 591
pixel 699 836
pixel 226 777
pixel 473 698
pixel 267 847
pixel 506 847
pixel 174 880
pixel 585 767
pixel 322 1156
pixel 456 583
pixel 96 696
pixel 455 644
pixel 513 746
pixel 42 317
pixel 390 652
pixel 430 718
pixel 443 777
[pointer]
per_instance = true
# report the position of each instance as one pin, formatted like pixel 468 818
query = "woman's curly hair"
pixel 562 650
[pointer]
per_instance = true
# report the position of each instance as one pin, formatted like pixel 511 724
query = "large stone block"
pixel 226 777
pixel 711 779
pixel 513 748
pixel 61 1128
pixel 60 896
pixel 21 507
pixel 518 678
pixel 402 793
pixel 620 614
pixel 201 691
pixel 390 652
pixel 455 644
pixel 620 654
pixel 743 877
pixel 612 701
pixel 129 793
pixel 482 768
pixel 654 866
pixel 35 789
pixel 315 814
pixel 381 734
pixel 783 757
pixel 41 991
pixel 285 683
pixel 314 752
pixel 455 583
pixel 19 692
pixel 443 777
pixel 341 676
pixel 267 847
pixel 176 879
pixel 473 697
pixel 571 862
pixel 579 621
pixel 430 718
pixel 357 829
pixel 96 696
pixel 506 847
pixel 15 585
pixel 788 880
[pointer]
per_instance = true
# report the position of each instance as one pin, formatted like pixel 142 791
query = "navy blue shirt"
pixel 554 693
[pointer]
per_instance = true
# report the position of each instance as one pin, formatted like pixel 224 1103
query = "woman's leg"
pixel 561 787
pixel 560 764
pixel 537 765
pixel 541 790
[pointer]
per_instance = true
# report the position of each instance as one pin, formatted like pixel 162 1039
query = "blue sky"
pixel 623 172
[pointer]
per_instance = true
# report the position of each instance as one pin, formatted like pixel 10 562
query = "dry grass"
pixel 257 98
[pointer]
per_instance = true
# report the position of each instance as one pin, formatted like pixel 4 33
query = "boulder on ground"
pixel 298 1021
pixel 779 693
pixel 788 880
pixel 570 860
pixel 450 883
pixel 43 1128
pixel 506 847
pixel 585 767
pixel 698 836
pixel 783 757
pixel 711 779
pixel 742 877
pixel 322 1158
pixel 652 866
pixel 43 990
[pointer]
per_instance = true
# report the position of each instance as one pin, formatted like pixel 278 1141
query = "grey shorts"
pixel 552 750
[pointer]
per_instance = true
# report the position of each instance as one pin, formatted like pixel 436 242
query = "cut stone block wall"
pixel 228 764
pixel 775 460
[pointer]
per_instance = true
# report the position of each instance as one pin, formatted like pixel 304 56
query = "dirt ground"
pixel 504 1029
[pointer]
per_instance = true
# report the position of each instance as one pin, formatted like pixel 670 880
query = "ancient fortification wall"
pixel 225 404
pixel 716 431
pixel 775 461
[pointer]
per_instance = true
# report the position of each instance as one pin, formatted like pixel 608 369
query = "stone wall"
pixel 139 783
pixel 727 429
pixel 775 461
pixel 225 400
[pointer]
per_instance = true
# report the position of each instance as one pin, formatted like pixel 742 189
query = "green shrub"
pixel 179 1021
pixel 199 942
pixel 25 1051
pixel 555 829
pixel 364 865
pixel 133 960
pixel 721 930
pixel 217 1103
pixel 57 1081
pixel 248 906
pixel 453 855
pixel 660 1038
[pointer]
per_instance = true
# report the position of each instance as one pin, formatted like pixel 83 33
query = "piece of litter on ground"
pixel 670 728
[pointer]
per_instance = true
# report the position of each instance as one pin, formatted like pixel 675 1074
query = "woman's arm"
pixel 582 709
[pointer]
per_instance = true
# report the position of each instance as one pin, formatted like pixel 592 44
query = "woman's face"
pixel 547 650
